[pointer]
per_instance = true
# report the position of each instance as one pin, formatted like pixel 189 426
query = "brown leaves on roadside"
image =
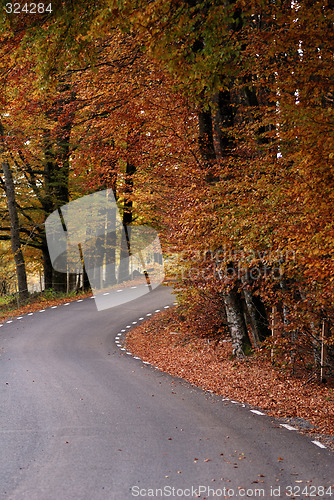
pixel 201 364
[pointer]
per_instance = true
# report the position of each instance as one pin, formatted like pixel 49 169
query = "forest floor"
pixel 305 404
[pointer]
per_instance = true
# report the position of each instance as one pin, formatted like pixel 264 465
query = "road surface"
pixel 83 420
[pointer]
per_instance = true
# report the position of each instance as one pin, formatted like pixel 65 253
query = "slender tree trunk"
pixel 57 165
pixel 256 315
pixel 236 323
pixel 47 266
pixel 124 270
pixel 110 242
pixel 15 233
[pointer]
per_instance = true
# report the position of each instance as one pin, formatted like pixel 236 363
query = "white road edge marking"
pixel 257 412
pixel 317 443
pixel 289 427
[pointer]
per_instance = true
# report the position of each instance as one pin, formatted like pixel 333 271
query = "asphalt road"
pixel 81 419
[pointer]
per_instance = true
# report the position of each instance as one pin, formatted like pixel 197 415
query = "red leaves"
pixel 211 368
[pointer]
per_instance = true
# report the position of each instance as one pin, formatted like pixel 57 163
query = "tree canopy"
pixel 211 120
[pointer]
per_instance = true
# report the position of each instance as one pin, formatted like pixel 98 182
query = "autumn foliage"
pixel 213 122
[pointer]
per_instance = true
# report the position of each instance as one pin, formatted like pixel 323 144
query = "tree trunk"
pixel 57 155
pixel 236 323
pixel 124 271
pixel 256 315
pixel 15 233
pixel 110 243
pixel 47 266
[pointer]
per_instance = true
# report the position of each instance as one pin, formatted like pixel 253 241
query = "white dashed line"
pixel 317 443
pixel 42 311
pixel 289 427
pixel 117 342
pixel 119 290
pixel 133 287
pixel 107 293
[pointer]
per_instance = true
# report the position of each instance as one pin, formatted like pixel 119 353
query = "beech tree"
pixel 14 225
pixel 245 161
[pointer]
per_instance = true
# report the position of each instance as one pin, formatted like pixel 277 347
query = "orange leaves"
pixel 209 366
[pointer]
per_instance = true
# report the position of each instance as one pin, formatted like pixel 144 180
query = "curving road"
pixel 81 419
